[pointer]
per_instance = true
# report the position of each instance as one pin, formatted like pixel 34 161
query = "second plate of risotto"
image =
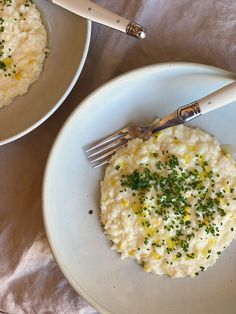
pixel 162 209
pixel 40 62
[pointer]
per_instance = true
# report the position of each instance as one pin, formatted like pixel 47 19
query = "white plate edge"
pixel 64 96
pixel 72 115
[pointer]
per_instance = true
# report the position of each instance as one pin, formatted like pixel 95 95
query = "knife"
pixel 97 13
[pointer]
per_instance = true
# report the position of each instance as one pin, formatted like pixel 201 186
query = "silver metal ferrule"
pixel 136 30
pixel 189 112
pixel 180 116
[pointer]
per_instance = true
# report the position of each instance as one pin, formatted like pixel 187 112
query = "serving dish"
pixel 71 195
pixel 61 71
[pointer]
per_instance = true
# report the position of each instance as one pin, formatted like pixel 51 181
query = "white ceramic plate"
pixel 68 39
pixel 71 189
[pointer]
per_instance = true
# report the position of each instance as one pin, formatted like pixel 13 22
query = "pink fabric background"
pixel 178 30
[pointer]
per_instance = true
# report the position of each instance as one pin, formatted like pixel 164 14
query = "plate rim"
pixel 64 96
pixel 153 67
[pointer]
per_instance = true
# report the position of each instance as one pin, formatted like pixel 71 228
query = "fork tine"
pixel 100 164
pixel 108 153
pixel 103 161
pixel 107 140
pixel 105 148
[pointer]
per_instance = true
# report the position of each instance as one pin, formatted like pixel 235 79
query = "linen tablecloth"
pixel 178 30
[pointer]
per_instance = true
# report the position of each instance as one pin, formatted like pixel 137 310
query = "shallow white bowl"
pixel 71 189
pixel 68 39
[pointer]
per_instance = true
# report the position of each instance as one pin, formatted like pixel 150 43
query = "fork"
pixel 99 153
pixel 96 13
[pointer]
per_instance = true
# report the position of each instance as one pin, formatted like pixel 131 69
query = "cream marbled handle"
pixel 218 99
pixel 96 13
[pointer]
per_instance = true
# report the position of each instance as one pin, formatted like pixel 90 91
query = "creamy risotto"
pixel 170 202
pixel 23 40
